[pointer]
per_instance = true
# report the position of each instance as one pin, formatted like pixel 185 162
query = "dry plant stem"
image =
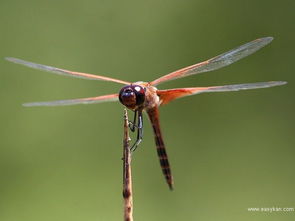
pixel 127 178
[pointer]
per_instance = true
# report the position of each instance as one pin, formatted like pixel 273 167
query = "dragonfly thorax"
pixel 132 96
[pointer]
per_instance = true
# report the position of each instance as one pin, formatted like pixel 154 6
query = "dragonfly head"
pixel 132 96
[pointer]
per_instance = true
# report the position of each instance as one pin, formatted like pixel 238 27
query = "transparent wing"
pixel 64 72
pixel 217 62
pixel 89 100
pixel 168 95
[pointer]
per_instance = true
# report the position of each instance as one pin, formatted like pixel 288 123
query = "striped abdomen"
pixel 154 118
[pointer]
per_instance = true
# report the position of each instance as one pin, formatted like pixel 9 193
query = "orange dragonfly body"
pixel 144 96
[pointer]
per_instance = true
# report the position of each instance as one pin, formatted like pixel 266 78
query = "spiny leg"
pixel 132 124
pixel 139 131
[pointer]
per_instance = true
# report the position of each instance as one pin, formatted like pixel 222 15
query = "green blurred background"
pixel 228 151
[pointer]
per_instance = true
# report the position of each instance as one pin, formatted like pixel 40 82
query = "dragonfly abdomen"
pixel 161 150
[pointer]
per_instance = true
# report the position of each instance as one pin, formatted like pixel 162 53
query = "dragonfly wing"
pixel 64 72
pixel 90 100
pixel 168 95
pixel 217 62
pixel 153 114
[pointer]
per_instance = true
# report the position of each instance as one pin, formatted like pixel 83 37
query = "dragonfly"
pixel 145 97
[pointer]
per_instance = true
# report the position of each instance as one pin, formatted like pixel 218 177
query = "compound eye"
pixel 140 94
pixel 132 96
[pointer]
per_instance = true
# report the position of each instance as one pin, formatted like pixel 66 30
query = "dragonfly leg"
pixel 139 132
pixel 132 124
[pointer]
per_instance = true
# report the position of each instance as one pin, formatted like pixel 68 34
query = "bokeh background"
pixel 228 151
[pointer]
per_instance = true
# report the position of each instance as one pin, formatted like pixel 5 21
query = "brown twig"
pixel 127 178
